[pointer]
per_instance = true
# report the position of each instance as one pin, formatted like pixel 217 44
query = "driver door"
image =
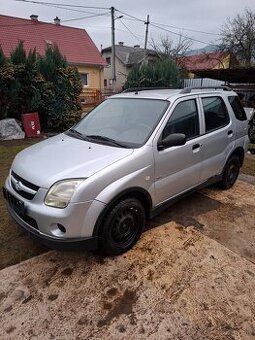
pixel 178 168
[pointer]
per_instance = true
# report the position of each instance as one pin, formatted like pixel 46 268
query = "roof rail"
pixel 137 89
pixel 189 89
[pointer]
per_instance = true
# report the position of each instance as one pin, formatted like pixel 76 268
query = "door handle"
pixel 230 132
pixel 196 146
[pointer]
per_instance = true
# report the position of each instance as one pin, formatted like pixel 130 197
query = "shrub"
pixel 45 84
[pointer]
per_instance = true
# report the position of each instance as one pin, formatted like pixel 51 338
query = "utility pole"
pixel 146 37
pixel 113 47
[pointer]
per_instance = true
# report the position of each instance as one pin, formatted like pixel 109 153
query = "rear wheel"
pixel 122 227
pixel 230 173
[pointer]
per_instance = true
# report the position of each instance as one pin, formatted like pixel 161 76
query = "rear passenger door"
pixel 218 135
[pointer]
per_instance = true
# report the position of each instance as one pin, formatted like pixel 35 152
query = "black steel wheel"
pixel 230 173
pixel 122 227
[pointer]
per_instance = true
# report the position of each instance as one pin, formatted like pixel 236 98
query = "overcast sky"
pixel 201 15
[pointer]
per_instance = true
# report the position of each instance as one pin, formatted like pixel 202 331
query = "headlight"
pixel 61 193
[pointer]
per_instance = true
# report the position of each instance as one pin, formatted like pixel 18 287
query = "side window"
pixel 216 114
pixel 237 107
pixel 184 119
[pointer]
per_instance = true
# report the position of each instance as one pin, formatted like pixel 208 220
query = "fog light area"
pixel 58 230
pixel 61 228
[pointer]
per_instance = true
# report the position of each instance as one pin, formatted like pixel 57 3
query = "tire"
pixel 122 227
pixel 231 172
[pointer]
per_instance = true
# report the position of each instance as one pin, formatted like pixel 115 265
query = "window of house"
pixel 105 82
pixel 216 114
pixel 108 60
pixel 184 119
pixel 237 107
pixel 84 79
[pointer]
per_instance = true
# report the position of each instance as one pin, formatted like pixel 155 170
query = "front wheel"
pixel 122 227
pixel 230 173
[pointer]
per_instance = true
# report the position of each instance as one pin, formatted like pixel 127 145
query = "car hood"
pixel 62 157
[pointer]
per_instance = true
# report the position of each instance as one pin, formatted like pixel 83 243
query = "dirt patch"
pixel 226 216
pixel 121 305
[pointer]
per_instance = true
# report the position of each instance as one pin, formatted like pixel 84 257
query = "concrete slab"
pixel 175 284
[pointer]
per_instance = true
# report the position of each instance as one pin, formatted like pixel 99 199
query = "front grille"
pixel 28 190
pixel 20 209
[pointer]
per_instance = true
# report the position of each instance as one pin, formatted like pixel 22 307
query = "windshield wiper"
pixel 106 139
pixel 76 133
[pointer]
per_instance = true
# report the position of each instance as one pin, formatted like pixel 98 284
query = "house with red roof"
pixel 207 61
pixel 74 43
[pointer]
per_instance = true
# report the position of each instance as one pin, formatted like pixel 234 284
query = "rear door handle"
pixel 230 132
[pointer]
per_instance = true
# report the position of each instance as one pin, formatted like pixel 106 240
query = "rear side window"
pixel 216 114
pixel 184 119
pixel 237 107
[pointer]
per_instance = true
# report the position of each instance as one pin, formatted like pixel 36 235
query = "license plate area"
pixel 17 205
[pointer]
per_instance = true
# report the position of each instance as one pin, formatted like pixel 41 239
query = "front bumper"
pixel 42 222
pixel 87 243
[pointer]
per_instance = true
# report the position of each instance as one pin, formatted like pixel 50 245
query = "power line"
pixel 132 17
pixel 180 35
pixel 88 17
pixel 63 6
pixel 31 24
pixel 129 15
pixel 129 30
pixel 59 4
pixel 164 29
pixel 67 9
pixel 185 29
pixel 153 24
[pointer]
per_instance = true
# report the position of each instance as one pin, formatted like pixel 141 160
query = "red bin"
pixel 31 124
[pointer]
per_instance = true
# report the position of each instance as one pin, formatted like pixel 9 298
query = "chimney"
pixel 136 46
pixel 34 17
pixel 121 43
pixel 57 21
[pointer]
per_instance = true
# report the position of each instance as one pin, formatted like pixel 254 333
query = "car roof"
pixel 171 94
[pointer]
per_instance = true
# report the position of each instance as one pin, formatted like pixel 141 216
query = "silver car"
pixel 136 153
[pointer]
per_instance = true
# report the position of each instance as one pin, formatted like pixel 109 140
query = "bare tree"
pixel 238 36
pixel 166 48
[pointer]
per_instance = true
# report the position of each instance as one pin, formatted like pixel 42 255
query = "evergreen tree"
pixel 60 105
pixel 7 80
pixel 164 73
pixel 24 89
pixel 45 84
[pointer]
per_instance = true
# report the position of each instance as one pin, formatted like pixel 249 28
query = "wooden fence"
pixel 91 97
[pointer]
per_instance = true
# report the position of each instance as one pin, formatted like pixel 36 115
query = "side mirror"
pixel 175 139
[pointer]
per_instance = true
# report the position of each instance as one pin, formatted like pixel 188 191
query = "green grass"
pixel 15 245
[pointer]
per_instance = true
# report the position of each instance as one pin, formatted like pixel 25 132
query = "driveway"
pixel 176 283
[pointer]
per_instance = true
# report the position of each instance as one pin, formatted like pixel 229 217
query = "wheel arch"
pixel 239 151
pixel 139 193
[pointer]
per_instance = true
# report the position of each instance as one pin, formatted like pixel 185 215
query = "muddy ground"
pixel 176 283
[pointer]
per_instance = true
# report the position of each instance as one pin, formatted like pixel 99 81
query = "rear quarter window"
pixel 215 113
pixel 237 107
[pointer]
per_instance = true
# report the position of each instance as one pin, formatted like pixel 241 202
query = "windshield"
pixel 122 122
